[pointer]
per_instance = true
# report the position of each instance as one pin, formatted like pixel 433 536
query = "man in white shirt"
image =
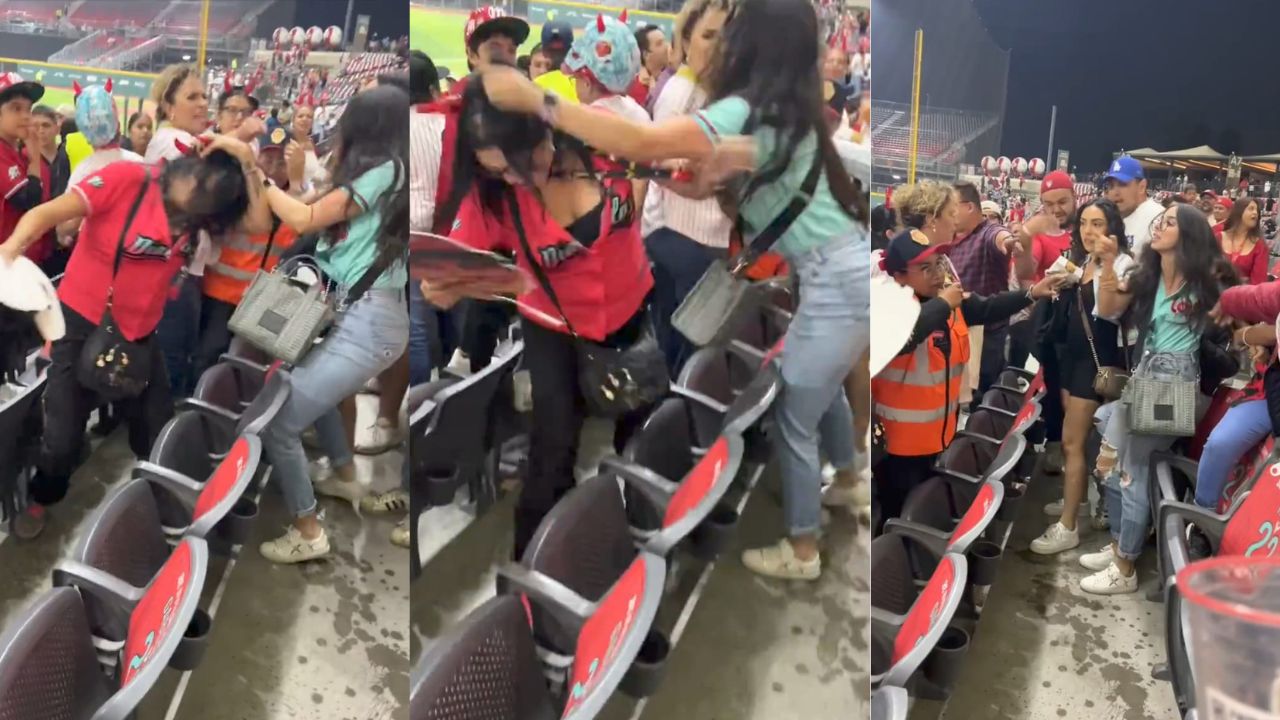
pixel 1126 186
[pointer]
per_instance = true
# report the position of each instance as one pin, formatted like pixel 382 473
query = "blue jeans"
pixel 368 338
pixel 830 331
pixel 1128 504
pixel 179 333
pixel 1242 427
pixel 421 341
pixel 678 264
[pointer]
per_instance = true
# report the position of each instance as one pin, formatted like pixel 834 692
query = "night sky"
pixel 1168 74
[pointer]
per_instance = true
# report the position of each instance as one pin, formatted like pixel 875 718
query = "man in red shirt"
pixel 654 52
pixel 24 176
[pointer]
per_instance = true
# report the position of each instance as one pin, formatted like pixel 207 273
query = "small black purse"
pixel 613 381
pixel 111 365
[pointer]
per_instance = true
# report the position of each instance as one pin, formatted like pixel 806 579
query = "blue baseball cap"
pixel 1125 169
pixel 275 138
pixel 557 35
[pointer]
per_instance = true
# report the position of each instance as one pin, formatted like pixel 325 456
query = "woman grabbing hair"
pixel 363 222
pixel 770 93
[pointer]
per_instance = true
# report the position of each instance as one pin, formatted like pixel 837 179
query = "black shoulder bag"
pixel 613 381
pixel 111 365
pixel 716 307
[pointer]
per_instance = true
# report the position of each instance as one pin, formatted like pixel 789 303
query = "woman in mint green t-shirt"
pixel 362 220
pixel 770 93
pixel 1168 298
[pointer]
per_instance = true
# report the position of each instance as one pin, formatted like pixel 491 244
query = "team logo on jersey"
pixel 621 210
pixel 96 181
pixel 457 224
pixel 553 255
pixel 14 172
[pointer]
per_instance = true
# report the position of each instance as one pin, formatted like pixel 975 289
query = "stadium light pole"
pixel 1053 125
pixel 915 108
pixel 204 35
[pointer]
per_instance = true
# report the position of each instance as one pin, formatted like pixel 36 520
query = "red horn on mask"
pixel 248 89
pixel 623 17
pixel 226 84
pixel 75 87
pixel 108 86
pixel 600 22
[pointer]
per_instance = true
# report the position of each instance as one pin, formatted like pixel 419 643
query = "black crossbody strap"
pixel 276 223
pixel 538 271
pixel 776 229
pixel 124 234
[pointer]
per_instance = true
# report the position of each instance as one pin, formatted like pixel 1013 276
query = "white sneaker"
pixel 1110 581
pixel 459 364
pixel 1055 540
pixel 293 548
pixel 400 534
pixel 780 561
pixel 1098 561
pixel 388 502
pixel 335 487
pixel 383 436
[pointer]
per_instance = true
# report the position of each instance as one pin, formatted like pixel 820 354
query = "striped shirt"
pixel 700 220
pixel 426 132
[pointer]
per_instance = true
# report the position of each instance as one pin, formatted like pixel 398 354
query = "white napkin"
pixel 24 287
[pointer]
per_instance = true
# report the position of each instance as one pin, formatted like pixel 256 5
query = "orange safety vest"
pixel 240 258
pixel 916 396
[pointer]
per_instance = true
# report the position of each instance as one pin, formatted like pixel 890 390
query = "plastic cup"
pixel 1233 609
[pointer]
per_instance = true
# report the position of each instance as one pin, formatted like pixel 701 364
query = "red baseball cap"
pixel 11 83
pixel 488 20
pixel 1224 201
pixel 1056 180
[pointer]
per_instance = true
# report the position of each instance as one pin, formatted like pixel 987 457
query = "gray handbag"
pixel 714 310
pixel 1161 407
pixel 283 316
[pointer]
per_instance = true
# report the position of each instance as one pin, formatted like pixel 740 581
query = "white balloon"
pixel 298 36
pixel 1036 166
pixel 988 164
pixel 280 36
pixel 315 36
pixel 333 36
pixel 1004 164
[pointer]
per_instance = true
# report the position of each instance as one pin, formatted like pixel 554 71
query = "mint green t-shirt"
pixel 823 222
pixel 346 260
pixel 1170 330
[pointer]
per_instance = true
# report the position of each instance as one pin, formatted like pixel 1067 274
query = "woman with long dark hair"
pixel 1168 297
pixel 174 203
pixel 363 222
pixel 1081 349
pixel 138 133
pixel 770 92
pixel 1242 241
pixel 583 232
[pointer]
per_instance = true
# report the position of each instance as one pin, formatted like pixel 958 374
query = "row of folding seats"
pixel 1242 524
pixel 128 598
pixel 935 563
pixel 574 621
pixel 21 429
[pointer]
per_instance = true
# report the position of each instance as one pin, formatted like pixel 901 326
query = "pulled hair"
pixel 919 201
pixel 220 197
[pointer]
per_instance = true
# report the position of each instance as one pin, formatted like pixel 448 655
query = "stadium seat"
pixel 192 443
pixel 223 396
pixel 451 440
pixel 241 349
pixel 688 507
pixel 162 619
pixel 231 384
pixel 937 519
pixel 974 460
pixel 666 446
pixel 485 666
pixel 1247 529
pixel 20 431
pixel 889 703
pixel 910 625
pixel 614 645
pixel 214 508
pixel 715 408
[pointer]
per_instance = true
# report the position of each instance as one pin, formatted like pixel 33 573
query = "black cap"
pixel 424 77
pixel 908 248
pixel 557 35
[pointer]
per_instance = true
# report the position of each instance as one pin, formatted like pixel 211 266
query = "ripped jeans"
pixel 1125 458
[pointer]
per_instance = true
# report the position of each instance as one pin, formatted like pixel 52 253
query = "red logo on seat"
pixel 696 485
pixel 978 513
pixel 924 613
pixel 152 619
pixel 1254 529
pixel 604 632
pixel 223 479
